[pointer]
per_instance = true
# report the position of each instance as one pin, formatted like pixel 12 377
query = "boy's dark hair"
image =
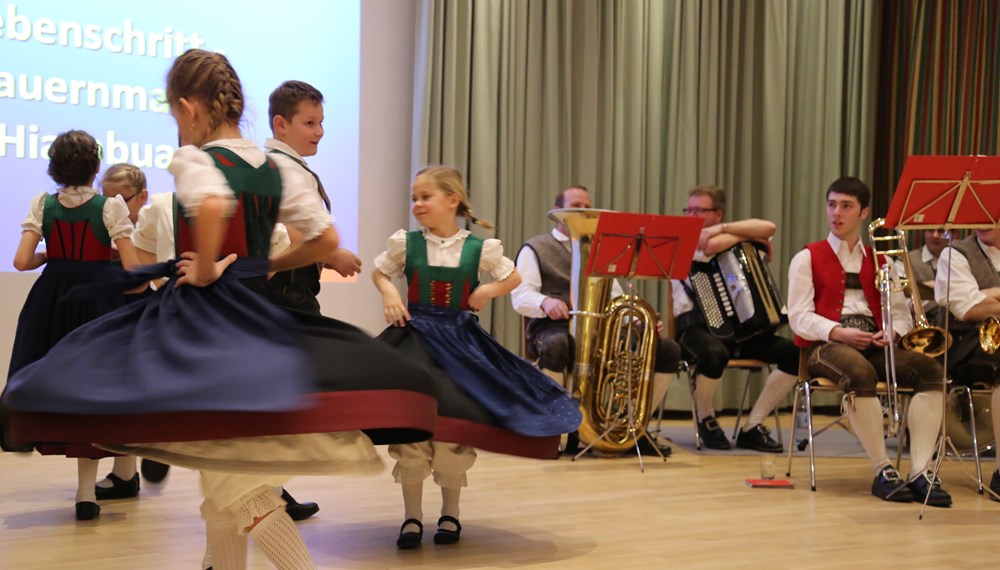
pixel 561 196
pixel 74 159
pixel 286 98
pixel 851 186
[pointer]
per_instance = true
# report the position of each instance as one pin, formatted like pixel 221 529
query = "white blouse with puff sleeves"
pixel 444 252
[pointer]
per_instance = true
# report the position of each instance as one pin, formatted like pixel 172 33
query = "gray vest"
pixel 555 262
pixel 923 271
pixel 982 270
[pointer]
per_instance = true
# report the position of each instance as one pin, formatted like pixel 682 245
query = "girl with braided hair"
pixel 229 383
pixel 487 396
pixel 79 227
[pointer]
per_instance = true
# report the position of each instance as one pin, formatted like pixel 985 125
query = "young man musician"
pixel 974 295
pixel 835 311
pixel 545 263
pixel 710 354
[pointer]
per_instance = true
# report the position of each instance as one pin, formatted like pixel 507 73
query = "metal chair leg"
pixel 975 439
pixel 901 438
pixel 743 402
pixel 809 429
pixel 692 377
pixel 795 423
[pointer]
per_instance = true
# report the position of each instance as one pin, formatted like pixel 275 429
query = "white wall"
pixel 388 30
pixel 387 47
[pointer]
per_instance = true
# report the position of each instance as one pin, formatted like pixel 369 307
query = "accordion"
pixel 736 293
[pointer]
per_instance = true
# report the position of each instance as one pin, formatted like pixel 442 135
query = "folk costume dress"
pixel 488 397
pixel 79 226
pixel 219 378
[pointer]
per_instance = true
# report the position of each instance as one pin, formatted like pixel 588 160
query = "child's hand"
pixel 395 310
pixel 478 299
pixel 344 262
pixel 187 270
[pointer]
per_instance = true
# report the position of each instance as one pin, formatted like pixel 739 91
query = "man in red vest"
pixel 835 311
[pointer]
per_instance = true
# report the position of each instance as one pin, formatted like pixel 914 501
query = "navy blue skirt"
pixel 216 362
pixel 488 397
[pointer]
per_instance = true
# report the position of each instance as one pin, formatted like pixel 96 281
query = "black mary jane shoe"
pixel 446 536
pixel 298 511
pixel 119 489
pixel 153 471
pixel 87 510
pixel 410 540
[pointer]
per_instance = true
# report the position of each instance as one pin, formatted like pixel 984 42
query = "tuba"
pixel 924 338
pixel 615 347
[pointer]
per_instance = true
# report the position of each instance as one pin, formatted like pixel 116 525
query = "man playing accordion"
pixel 710 353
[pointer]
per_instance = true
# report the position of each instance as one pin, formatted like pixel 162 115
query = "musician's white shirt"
pixel 527 297
pixel 965 292
pixel 802 317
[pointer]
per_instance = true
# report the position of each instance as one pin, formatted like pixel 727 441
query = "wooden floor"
pixel 690 512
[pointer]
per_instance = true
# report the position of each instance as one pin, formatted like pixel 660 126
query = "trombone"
pixel 924 339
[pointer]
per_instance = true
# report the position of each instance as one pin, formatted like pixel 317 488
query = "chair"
pixel 807 386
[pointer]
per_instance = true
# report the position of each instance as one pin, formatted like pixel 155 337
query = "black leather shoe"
pixel 153 471
pixel 87 510
pixel 712 435
pixel 889 486
pixel 296 510
pixel 926 485
pixel 410 540
pixel 995 485
pixel 758 438
pixel 647 448
pixel 448 536
pixel 121 489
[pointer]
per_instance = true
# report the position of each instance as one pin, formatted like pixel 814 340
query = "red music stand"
pixel 640 246
pixel 643 246
pixel 950 192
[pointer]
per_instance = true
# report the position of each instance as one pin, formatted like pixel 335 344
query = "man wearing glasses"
pixel 710 354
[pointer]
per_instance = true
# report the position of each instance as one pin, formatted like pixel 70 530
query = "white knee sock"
pixel 866 420
pixel 449 501
pixel 86 479
pixel 226 548
pixel 776 387
pixel 413 498
pixel 924 422
pixel 124 467
pixel 661 382
pixel 704 395
pixel 276 536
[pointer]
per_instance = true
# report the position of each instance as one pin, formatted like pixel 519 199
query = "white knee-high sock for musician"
pixel 924 422
pixel 413 498
pixel 995 412
pixel 866 420
pixel 704 395
pixel 226 547
pixel 86 478
pixel 776 387
pixel 276 536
